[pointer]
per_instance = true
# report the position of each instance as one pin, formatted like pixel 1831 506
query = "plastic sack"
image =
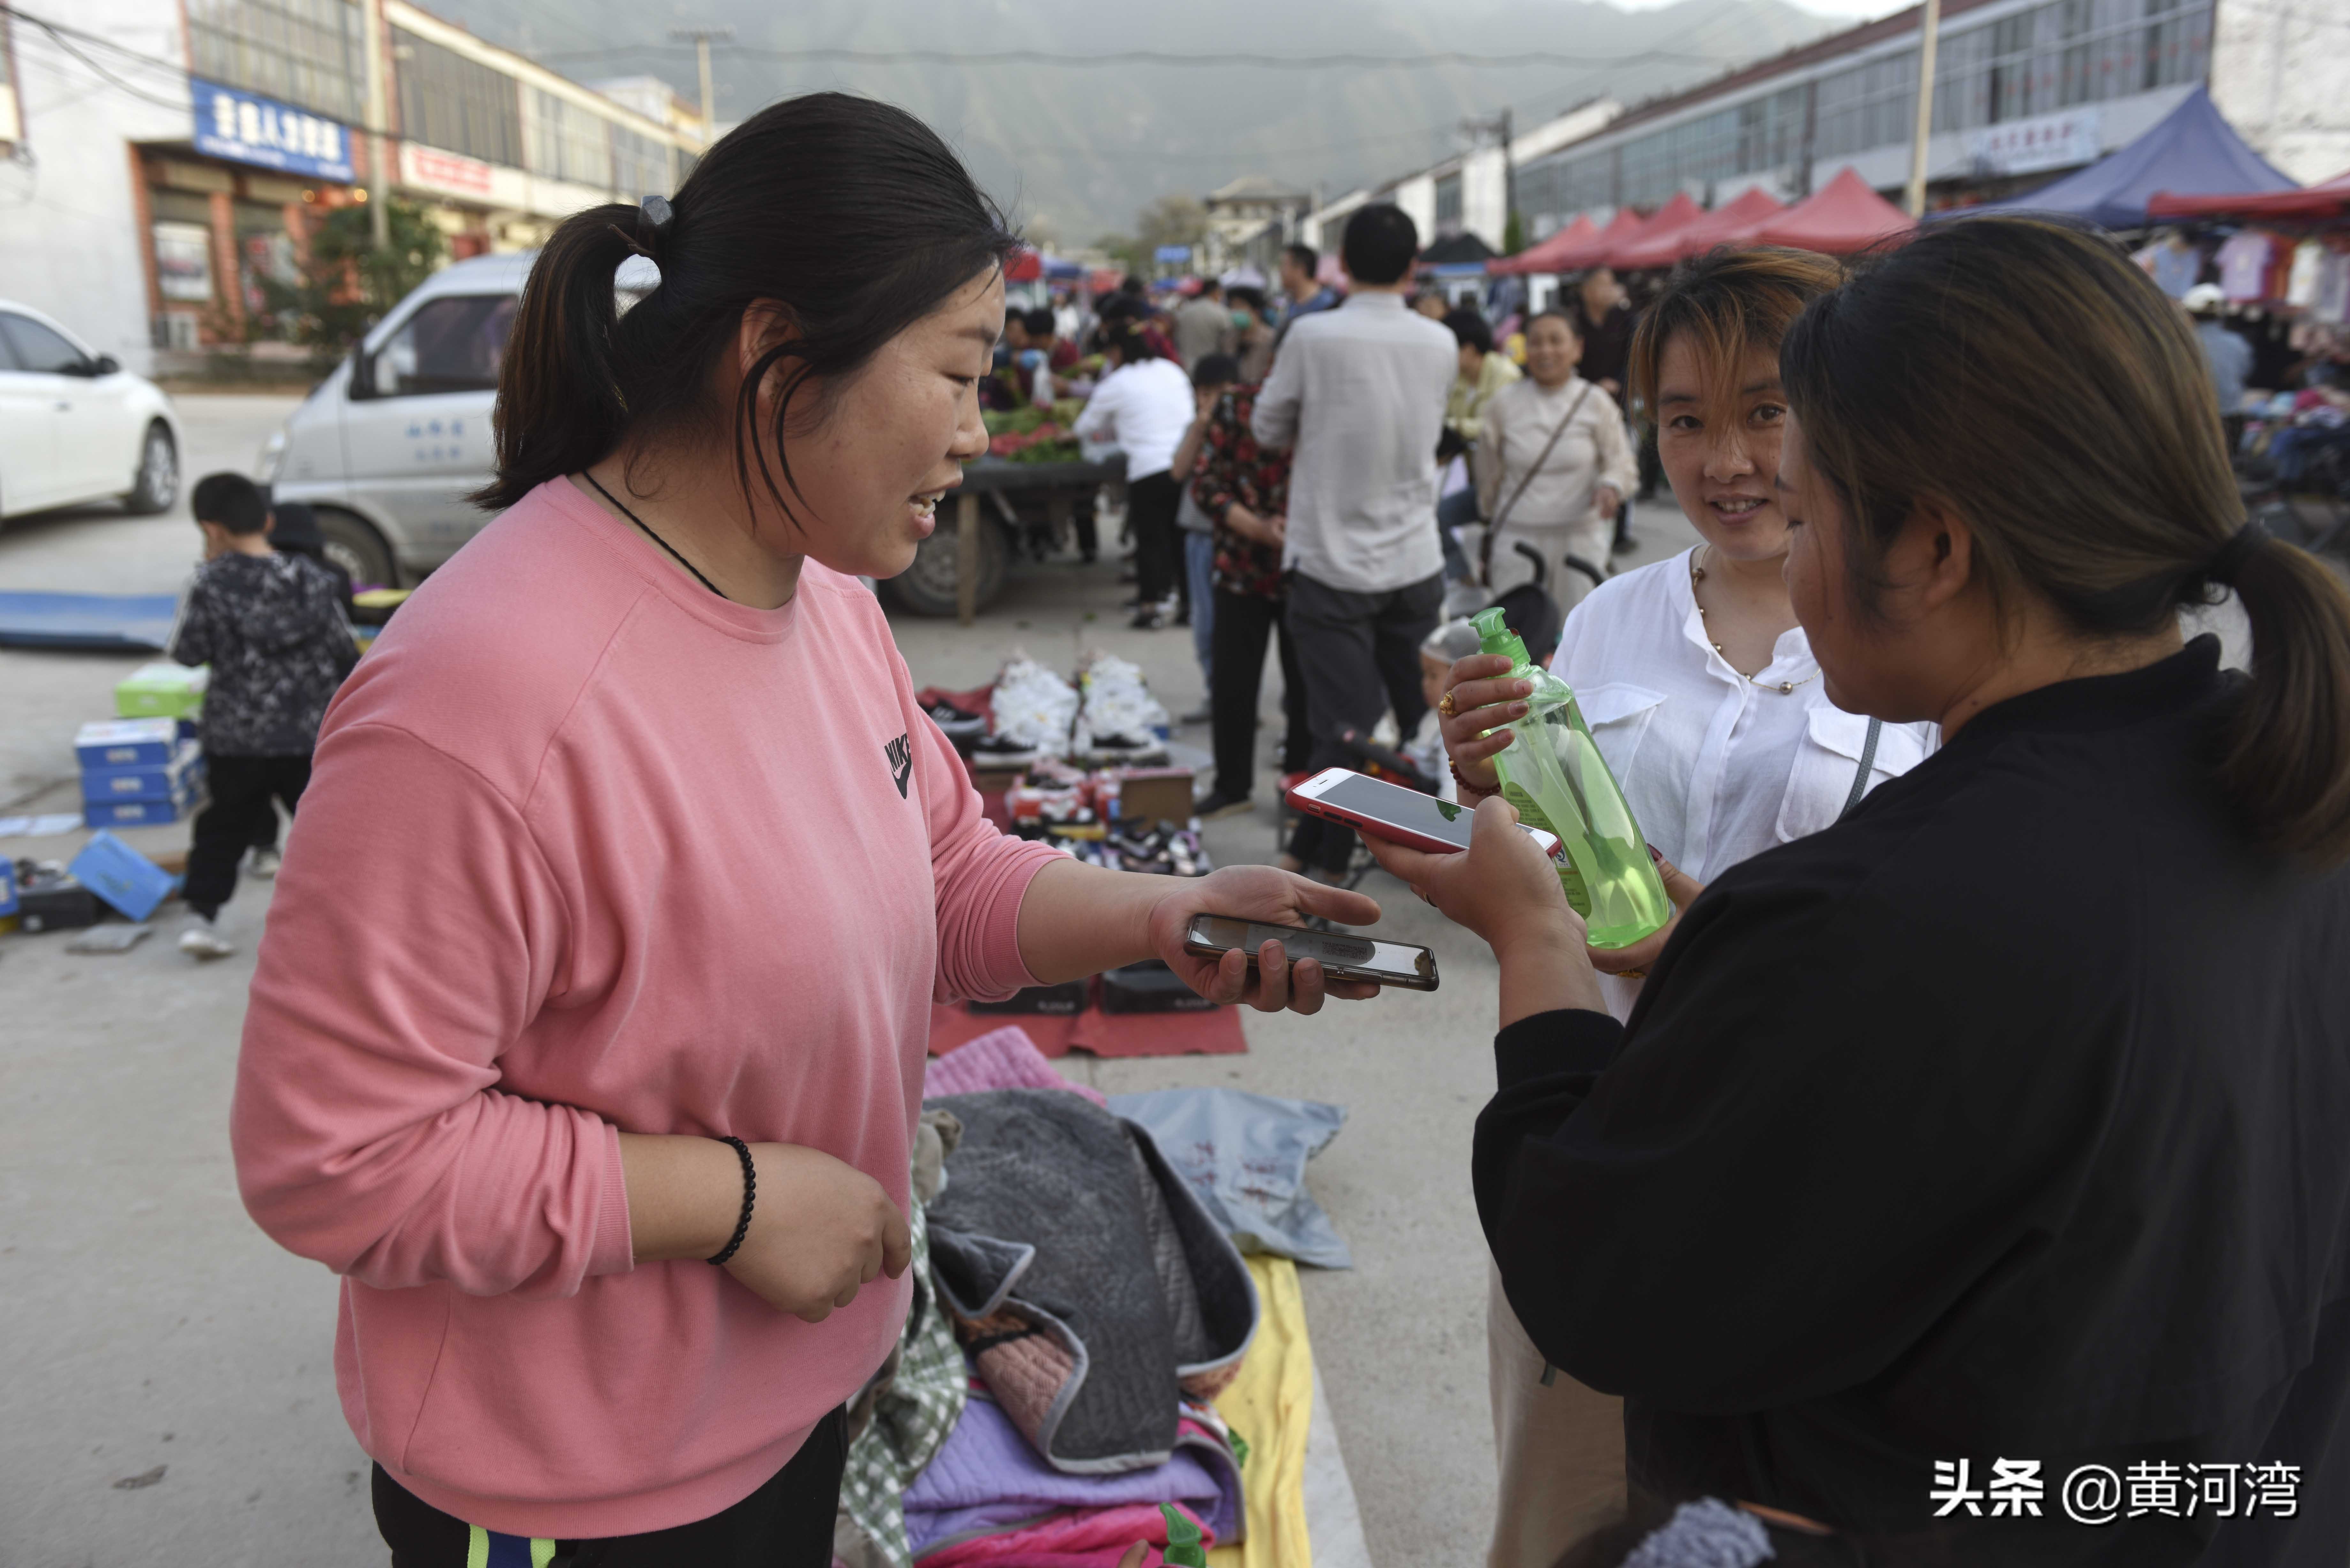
pixel 1245 1155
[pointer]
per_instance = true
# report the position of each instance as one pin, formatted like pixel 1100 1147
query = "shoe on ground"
pixel 1200 715
pixel 1219 805
pixel 1624 545
pixel 202 939
pixel 265 865
pixel 1148 618
pixel 1183 615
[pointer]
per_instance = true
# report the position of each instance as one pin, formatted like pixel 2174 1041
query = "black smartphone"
pixel 1342 957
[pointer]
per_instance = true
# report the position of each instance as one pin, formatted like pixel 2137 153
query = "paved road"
pixel 154 1330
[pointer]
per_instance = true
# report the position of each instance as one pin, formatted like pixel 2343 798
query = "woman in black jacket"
pixel 1973 1177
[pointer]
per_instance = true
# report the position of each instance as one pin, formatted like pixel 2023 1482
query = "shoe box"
pixel 139 772
pixel 50 899
pixel 122 876
pixel 1065 1000
pixel 1150 987
pixel 161 690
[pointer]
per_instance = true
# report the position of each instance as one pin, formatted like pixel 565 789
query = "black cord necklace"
pixel 656 538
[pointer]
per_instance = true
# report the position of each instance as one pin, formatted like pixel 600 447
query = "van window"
pixel 450 345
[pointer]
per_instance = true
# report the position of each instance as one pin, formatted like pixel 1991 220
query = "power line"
pixel 1163 57
pixel 58 36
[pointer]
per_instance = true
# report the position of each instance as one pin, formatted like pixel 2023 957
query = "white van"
pixel 386 447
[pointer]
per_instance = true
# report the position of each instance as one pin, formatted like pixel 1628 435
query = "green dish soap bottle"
pixel 1552 772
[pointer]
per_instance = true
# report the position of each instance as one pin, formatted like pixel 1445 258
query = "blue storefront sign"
pixel 246 127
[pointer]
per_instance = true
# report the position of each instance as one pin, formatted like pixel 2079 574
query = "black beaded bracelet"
pixel 749 1192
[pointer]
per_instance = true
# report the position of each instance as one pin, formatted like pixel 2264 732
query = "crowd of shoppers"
pixel 1980 1104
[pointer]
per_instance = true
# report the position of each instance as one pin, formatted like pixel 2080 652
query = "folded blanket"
pixel 1081 1538
pixel 1087 1283
pixel 1000 1059
pixel 987 1479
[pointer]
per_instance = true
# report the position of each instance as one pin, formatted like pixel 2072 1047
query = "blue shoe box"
pixel 129 744
pixel 122 876
pixel 147 781
pixel 147 813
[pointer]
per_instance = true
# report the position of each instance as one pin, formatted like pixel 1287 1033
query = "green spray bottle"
pixel 1552 772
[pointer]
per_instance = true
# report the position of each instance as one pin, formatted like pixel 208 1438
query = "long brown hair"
pixel 1731 303
pixel 2022 373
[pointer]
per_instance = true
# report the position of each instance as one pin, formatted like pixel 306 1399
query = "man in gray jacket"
pixel 1359 392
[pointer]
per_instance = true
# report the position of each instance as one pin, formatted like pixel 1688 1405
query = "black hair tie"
pixel 654 215
pixel 2230 557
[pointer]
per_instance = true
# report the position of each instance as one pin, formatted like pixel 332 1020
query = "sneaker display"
pixel 1033 710
pixel 955 722
pixel 202 939
pixel 1119 720
pixel 265 865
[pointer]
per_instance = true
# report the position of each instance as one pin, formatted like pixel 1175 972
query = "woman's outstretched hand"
pixel 1505 889
pixel 1276 897
pixel 1483 698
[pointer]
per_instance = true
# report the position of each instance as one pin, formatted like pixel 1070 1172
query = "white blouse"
pixel 1716 768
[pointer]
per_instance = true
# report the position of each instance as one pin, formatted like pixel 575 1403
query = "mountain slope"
pixel 1076 150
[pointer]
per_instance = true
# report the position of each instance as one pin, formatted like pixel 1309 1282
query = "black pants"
pixel 1151 507
pixel 1359 654
pixel 243 790
pixel 1236 657
pixel 787 1523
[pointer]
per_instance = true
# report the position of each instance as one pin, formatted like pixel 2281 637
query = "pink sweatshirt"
pixel 588 849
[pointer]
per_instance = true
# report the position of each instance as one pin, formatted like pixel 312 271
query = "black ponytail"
pixel 2287 758
pixel 2024 371
pixel 850 217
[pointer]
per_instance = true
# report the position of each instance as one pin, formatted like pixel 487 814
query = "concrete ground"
pixel 172 1397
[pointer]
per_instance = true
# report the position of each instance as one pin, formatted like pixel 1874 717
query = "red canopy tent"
pixel 1653 245
pixel 1843 216
pixel 1733 222
pixel 1026 266
pixel 1537 257
pixel 2330 200
pixel 1593 249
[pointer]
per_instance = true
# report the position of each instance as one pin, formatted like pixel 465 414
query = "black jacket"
pixel 272 628
pixel 2008 1119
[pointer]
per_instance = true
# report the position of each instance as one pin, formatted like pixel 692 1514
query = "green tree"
pixel 347 283
pixel 1513 233
pixel 1125 249
pixel 1178 218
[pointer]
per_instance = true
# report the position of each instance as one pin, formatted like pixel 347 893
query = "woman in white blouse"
pixel 1553 466
pixel 1702 692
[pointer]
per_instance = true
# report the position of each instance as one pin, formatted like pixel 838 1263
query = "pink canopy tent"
pixel 1734 223
pixel 2330 200
pixel 1843 216
pixel 1537 257
pixel 1654 244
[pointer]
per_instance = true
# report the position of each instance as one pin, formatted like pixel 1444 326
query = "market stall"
pixel 1842 216
pixel 2190 150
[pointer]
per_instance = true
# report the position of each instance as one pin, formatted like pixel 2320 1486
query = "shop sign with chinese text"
pixel 246 128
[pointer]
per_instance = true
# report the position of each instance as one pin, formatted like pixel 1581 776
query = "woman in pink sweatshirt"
pixel 627 842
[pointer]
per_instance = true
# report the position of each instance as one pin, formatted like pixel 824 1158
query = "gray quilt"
pixel 1089 1284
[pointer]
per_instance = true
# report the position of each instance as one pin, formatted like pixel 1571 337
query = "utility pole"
pixel 1500 126
pixel 1931 26
pixel 702 38
pixel 378 181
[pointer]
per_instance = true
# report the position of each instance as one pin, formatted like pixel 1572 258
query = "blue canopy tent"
pixel 2191 150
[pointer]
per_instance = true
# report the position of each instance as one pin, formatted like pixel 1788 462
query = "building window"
pixel 463 106
pixel 1448 205
pixel 640 165
pixel 566 142
pixel 308 53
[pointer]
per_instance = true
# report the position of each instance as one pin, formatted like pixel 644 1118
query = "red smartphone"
pixel 1391 811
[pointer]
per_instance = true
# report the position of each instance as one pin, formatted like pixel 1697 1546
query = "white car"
pixel 75 427
pixel 386 448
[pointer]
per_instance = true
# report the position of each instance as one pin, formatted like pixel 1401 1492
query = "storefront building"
pixel 167 166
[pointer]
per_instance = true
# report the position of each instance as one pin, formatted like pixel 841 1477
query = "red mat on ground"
pixel 1215 1034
